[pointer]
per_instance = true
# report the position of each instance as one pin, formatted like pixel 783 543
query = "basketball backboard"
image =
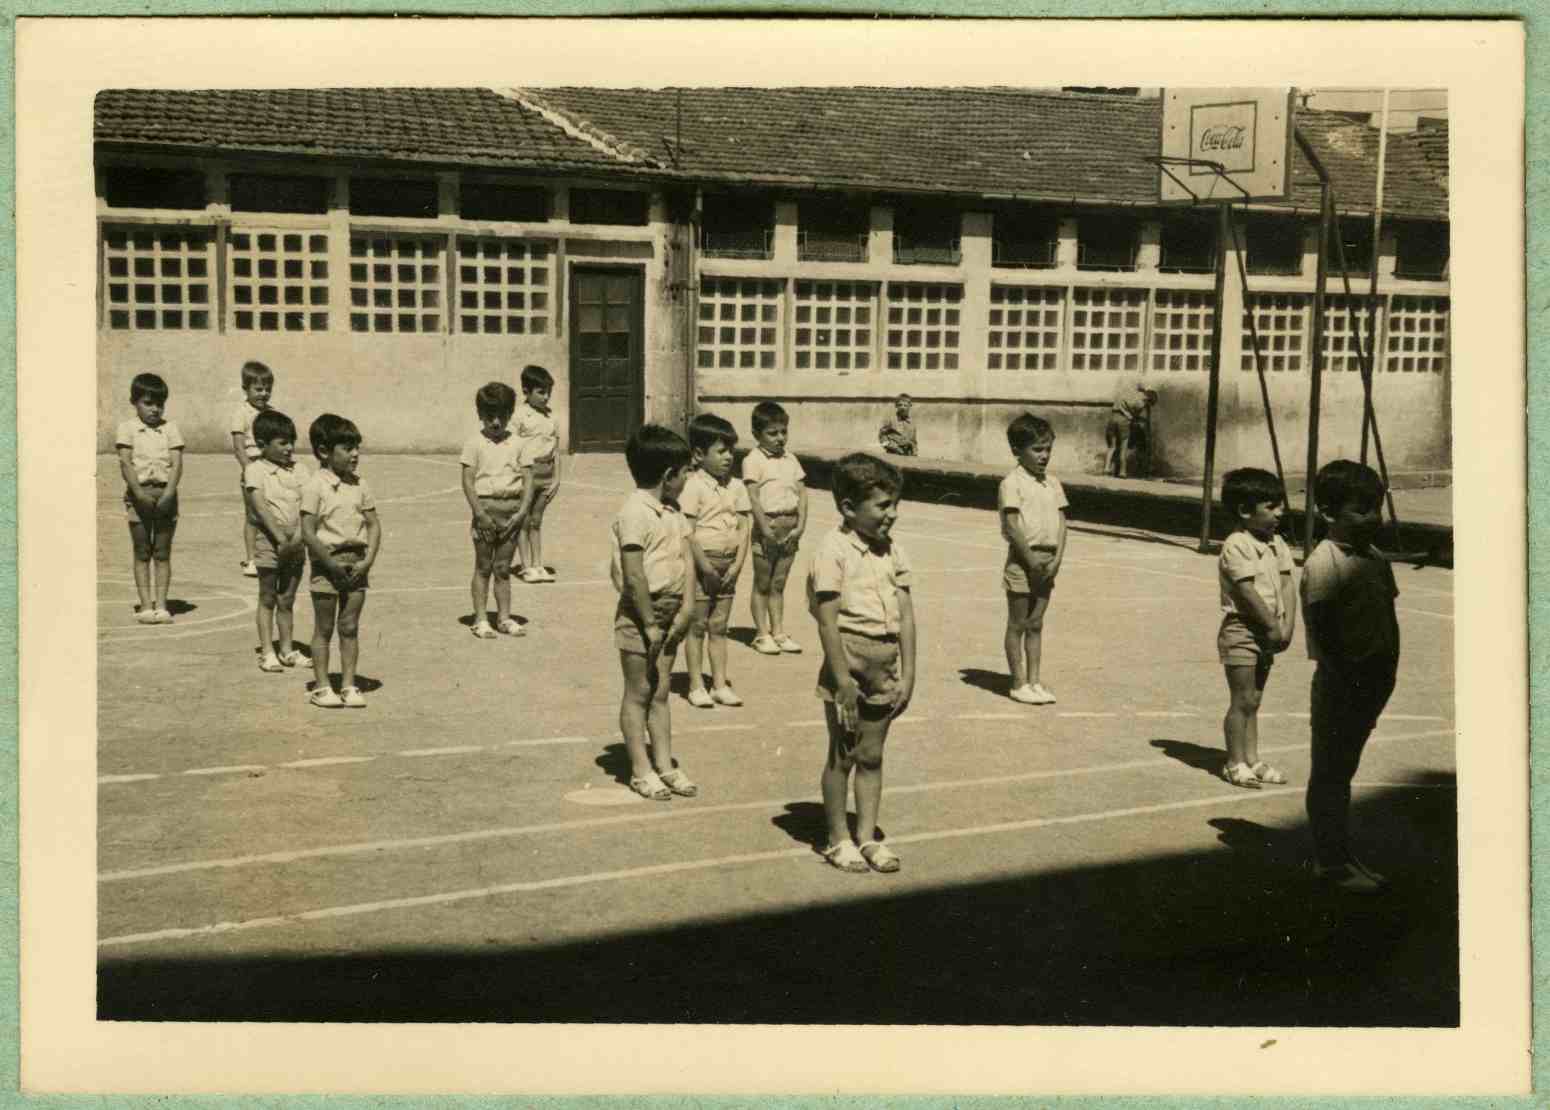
pixel 1246 131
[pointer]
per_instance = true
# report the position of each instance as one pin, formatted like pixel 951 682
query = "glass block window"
pixel 1107 326
pixel 396 283
pixel 833 327
pixel 1025 327
pixel 1341 350
pixel 502 286
pixel 740 322
pixel 1282 322
pixel 1418 334
pixel 278 280
pixel 923 324
pixel 158 279
pixel 1181 329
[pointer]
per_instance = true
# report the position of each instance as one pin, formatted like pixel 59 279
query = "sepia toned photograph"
pixel 804 554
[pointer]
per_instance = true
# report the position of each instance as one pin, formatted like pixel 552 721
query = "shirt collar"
pixel 652 501
pixel 858 541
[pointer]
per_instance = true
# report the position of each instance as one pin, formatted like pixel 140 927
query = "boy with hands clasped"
pixel 273 484
pixel 858 589
pixel 150 457
pixel 499 497
pixel 717 510
pixel 778 499
pixel 1032 505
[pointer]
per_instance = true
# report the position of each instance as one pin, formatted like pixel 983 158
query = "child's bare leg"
pixel 479 584
pixel 349 635
pixel 759 600
pixel 285 608
pixel 524 548
pixel 500 568
pixel 836 775
pixel 868 755
pixel 161 558
pixel 693 644
pixel 1242 713
pixel 249 536
pixel 535 543
pixel 780 570
pixel 1017 606
pixel 633 708
pixel 140 538
pixel 264 615
pixel 323 607
pixel 1033 640
pixel 659 715
pixel 716 645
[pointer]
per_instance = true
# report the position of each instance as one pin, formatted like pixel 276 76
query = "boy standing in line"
pixel 1032 506
pixel 257 386
pixel 150 457
pixel 778 498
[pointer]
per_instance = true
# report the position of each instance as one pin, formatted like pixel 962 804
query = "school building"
pixel 662 252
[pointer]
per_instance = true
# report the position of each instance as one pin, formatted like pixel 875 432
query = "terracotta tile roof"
pixel 1349 151
pixel 1433 141
pixel 445 125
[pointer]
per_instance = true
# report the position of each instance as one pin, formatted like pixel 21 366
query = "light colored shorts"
pixel 1236 646
pixel 781 526
pixel 874 665
pixel 629 634
pixel 266 557
pixel 1014 576
pixel 132 514
pixel 323 584
pixel 502 509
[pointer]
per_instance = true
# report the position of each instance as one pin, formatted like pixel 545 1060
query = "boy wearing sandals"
pixel 715 504
pixel 499 498
pixel 778 499
pixel 858 589
pixel 150 457
pixel 651 569
pixel 273 484
pixel 539 435
pixel 1348 594
pixel 339 524
pixel 1258 614
pixel 1032 505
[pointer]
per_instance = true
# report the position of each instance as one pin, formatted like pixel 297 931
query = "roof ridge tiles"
pixel 578 128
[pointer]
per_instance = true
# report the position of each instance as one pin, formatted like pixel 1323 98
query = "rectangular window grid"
pixel 279 280
pixel 923 325
pixel 1181 329
pixel 1418 334
pixel 1282 322
pixel 833 325
pixel 1341 350
pixel 1026 323
pixel 396 283
pixel 1107 326
pixel 158 279
pixel 740 322
pixel 502 286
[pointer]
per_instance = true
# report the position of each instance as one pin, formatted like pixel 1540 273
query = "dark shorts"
pixel 1015 579
pixel 781 526
pixel 323 584
pixel 874 665
pixel 629 635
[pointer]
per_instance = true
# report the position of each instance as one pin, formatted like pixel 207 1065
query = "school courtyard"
pixel 466 848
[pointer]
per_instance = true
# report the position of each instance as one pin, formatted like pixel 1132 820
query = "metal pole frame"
pixel 1213 386
pixel 1326 220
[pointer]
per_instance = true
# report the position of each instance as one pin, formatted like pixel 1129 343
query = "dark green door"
pixel 607 363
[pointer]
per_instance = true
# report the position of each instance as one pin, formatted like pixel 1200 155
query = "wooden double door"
pixel 607 356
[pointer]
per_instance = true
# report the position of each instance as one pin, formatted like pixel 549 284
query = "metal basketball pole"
pixel 1213 385
pixel 1326 222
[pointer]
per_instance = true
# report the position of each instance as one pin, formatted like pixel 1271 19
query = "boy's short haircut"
pixel 254 372
pixel 271 425
pixel 1249 486
pixel 856 475
pixel 707 429
pixel 495 399
pixel 536 377
pixel 148 387
pixel 1026 430
pixel 1342 482
pixel 329 431
pixel 766 414
pixel 903 397
pixel 652 451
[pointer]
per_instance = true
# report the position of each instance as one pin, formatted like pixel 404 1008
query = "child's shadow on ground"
pixel 1197 756
pixel 467 619
pixel 178 607
pixel 743 635
pixel 363 683
pixel 805 823
pixel 1250 836
pixel 994 682
pixel 614 761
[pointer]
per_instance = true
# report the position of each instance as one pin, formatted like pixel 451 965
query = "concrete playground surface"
pixel 466 847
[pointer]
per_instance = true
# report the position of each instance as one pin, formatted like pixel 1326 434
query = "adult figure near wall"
pixel 1129 431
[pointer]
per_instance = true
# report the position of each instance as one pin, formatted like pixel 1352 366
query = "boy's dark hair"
pixel 652 451
pixel 1341 482
pixel 767 414
pixel 1028 429
pixel 148 387
pixel 857 475
pixel 707 429
pixel 329 431
pixel 536 377
pixel 903 397
pixel 1248 486
pixel 271 425
pixel 495 399
pixel 254 372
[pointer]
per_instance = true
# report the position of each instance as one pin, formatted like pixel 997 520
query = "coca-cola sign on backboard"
pixel 1212 135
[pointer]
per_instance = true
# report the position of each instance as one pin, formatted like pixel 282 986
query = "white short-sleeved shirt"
pixel 150 449
pixel 1038 504
pixel 278 488
pixel 242 418
pixel 1265 561
pixel 659 532
pixel 537 433
pixel 340 508
pixel 714 510
pixel 1361 585
pixel 777 481
pixel 867 581
pixel 497 465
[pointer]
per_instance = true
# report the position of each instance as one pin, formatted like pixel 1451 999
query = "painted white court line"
pixel 109 780
pixel 458 749
pixel 1082 713
pixel 174 632
pixel 329 761
pixel 689 811
pixel 718 728
pixel 992 716
pixel 234 769
pixel 1171 714
pixel 548 740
